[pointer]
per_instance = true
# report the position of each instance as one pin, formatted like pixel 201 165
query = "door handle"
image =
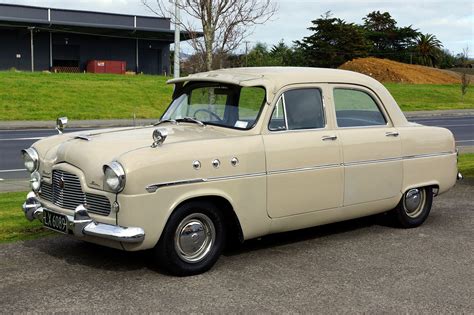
pixel 326 138
pixel 392 134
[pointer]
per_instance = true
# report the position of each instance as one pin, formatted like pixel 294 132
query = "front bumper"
pixel 82 224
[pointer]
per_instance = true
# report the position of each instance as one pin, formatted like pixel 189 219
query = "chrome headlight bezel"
pixel 114 171
pixel 30 155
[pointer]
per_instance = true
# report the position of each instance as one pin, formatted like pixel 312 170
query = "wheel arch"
pixel 231 218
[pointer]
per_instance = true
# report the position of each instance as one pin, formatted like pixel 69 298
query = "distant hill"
pixel 385 70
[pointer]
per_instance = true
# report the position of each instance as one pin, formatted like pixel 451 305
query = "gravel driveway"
pixel 357 266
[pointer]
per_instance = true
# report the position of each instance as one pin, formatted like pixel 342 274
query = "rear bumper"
pixel 82 224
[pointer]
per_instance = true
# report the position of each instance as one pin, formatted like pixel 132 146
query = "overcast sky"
pixel 451 21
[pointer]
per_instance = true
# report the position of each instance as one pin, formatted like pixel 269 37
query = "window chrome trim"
pixel 373 96
pixel 282 96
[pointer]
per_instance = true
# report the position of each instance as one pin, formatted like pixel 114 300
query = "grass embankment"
pixel 13 224
pixel 15 227
pixel 413 97
pixel 43 96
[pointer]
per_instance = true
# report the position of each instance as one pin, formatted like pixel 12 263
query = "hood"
pixel 90 150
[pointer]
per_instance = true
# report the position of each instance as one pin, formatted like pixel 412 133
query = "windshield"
pixel 228 106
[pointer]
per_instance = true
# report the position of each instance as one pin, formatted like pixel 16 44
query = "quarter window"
pixel 298 109
pixel 356 108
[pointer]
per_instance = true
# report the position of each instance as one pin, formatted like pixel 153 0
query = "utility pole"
pixel 32 48
pixel 176 38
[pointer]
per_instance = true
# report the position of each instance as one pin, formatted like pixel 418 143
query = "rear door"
pixel 371 146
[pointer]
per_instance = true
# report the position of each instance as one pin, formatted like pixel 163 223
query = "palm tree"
pixel 428 47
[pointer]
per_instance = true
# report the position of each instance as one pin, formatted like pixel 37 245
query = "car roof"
pixel 275 78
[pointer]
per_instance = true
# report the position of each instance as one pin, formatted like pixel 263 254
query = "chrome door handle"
pixel 392 134
pixel 332 138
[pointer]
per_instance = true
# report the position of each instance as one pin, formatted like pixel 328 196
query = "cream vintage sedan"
pixel 238 154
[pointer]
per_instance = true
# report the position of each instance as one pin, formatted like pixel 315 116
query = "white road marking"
pixel 14 170
pixel 22 139
pixel 465 141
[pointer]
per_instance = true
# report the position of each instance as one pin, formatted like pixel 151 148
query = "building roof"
pixel 88 22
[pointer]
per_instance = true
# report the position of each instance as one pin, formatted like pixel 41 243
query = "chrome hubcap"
pixel 194 237
pixel 414 202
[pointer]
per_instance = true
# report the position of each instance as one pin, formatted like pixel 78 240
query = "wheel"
pixel 192 240
pixel 414 207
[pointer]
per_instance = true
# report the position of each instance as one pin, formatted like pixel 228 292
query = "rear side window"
pixel 356 108
pixel 298 109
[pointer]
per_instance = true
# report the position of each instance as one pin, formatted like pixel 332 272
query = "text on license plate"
pixel 55 221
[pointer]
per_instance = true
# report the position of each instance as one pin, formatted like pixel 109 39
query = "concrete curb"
pixel 103 123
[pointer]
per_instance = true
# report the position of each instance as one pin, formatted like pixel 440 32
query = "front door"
pixel 373 166
pixel 304 162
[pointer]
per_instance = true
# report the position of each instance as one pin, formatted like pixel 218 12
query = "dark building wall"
pixel 67 47
pixel 15 49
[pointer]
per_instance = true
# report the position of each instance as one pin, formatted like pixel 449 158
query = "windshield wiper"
pixel 173 121
pixel 193 120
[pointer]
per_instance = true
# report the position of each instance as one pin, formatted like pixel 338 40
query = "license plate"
pixel 55 221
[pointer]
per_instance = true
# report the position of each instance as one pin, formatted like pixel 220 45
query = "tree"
pixel 428 47
pixel 465 79
pixel 333 42
pixel 224 23
pixel 387 39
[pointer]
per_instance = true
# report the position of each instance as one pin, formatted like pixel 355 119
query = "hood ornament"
pixel 159 136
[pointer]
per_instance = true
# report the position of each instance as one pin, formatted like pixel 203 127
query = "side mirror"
pixel 159 136
pixel 61 123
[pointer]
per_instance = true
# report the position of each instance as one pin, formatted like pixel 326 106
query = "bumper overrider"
pixel 81 224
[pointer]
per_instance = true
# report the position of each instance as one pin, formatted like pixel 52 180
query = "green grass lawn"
pixel 466 165
pixel 13 224
pixel 412 97
pixel 44 96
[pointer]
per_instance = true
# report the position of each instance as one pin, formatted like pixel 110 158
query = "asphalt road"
pixel 12 141
pixel 359 266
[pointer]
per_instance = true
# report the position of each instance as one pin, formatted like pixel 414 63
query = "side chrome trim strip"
pixel 373 161
pixel 154 187
pixel 418 156
pixel 304 169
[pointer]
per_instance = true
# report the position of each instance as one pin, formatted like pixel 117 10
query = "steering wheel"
pixel 209 112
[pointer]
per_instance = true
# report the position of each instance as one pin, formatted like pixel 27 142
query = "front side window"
pixel 228 106
pixel 355 108
pixel 298 109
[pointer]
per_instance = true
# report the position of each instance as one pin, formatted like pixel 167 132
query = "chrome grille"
pixel 66 192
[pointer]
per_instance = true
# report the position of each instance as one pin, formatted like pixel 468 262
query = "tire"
pixel 192 240
pixel 414 207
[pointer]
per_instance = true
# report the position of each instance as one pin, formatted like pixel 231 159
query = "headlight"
pixel 114 177
pixel 30 159
pixel 35 181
